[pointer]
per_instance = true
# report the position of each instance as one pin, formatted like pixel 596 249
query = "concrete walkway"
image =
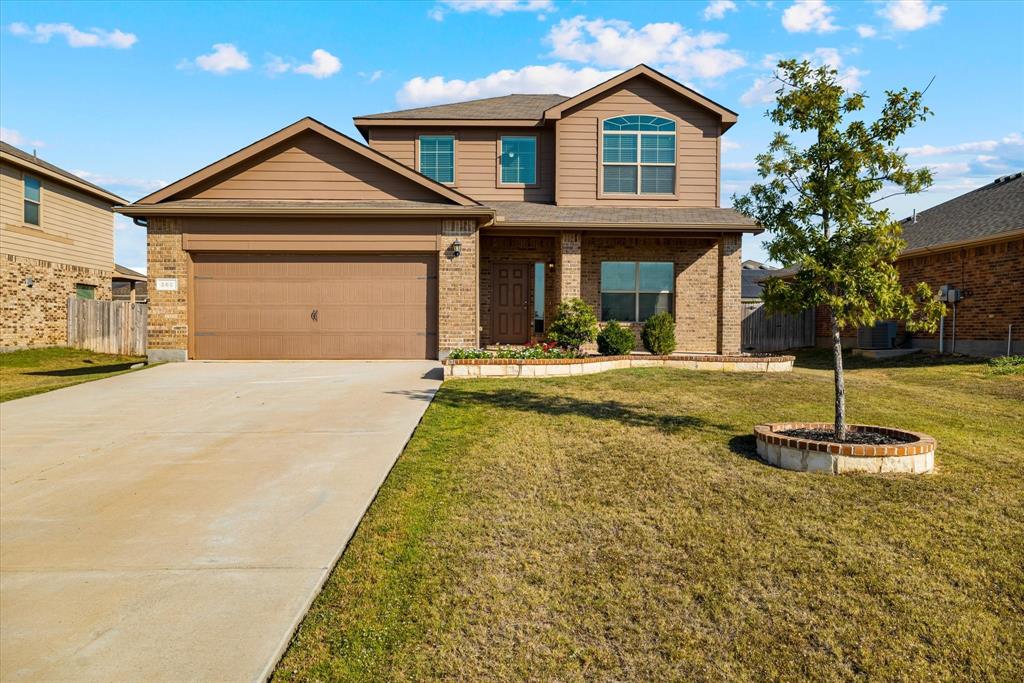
pixel 174 524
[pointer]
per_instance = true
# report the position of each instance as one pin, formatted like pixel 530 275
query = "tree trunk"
pixel 837 355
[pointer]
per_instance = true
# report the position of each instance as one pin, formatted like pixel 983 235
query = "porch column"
pixel 569 264
pixel 458 305
pixel 729 306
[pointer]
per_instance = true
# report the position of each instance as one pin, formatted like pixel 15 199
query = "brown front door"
pixel 313 306
pixel 510 303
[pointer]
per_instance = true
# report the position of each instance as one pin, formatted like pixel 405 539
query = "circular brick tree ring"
pixel 916 456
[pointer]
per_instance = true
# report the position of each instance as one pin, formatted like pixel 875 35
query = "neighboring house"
pixel 128 285
pixel 458 225
pixel 751 277
pixel 56 241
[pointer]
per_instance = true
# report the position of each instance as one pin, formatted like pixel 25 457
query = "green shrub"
pixel 615 340
pixel 574 325
pixel 1007 365
pixel 514 352
pixel 659 334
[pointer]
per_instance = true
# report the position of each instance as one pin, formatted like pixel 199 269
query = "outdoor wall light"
pixel 551 265
pixel 29 282
pixel 456 248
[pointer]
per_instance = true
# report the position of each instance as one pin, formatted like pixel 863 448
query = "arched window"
pixel 638 153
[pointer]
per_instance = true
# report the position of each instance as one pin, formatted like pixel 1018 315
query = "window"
pixel 538 296
pixel 33 198
pixel 519 160
pixel 633 291
pixel 437 157
pixel 85 291
pixel 638 153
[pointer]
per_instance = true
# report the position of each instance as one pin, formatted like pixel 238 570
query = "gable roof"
pixel 504 107
pixel 125 273
pixel 989 212
pixel 301 126
pixel 23 159
pixel 728 116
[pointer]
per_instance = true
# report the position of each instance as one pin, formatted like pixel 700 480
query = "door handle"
pixel 314 314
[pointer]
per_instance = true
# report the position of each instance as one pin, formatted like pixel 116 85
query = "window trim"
pixel 638 195
pixel 455 154
pixel 24 199
pixel 536 162
pixel 636 291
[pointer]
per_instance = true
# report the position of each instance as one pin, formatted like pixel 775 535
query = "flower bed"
pixel 466 368
pixel 915 454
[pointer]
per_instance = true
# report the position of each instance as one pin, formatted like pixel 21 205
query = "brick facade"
pixel 730 309
pixel 457 287
pixel 168 310
pixel 515 249
pixel 568 265
pixel 37 315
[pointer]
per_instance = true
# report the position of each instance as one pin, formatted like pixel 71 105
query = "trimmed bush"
pixel 513 352
pixel 615 340
pixel 659 335
pixel 574 325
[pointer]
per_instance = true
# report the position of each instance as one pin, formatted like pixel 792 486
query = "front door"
pixel 510 303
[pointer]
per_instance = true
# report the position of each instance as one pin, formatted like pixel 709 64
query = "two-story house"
pixel 56 242
pixel 456 225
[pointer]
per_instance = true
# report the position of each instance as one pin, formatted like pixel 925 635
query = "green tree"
pixel 821 177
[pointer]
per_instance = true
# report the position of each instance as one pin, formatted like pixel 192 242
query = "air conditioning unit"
pixel 882 335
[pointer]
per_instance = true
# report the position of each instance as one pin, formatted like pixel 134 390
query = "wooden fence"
pixel 779 332
pixel 107 326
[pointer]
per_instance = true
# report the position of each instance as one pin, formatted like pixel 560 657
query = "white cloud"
pixel 14 137
pixel 1013 142
pixel 140 184
pixel 224 59
pixel 911 15
pixel 553 78
pixel 739 166
pixel 375 76
pixel 323 64
pixel 492 7
pixel 764 88
pixel 94 37
pixel 865 31
pixel 667 46
pixel 729 145
pixel 276 66
pixel 805 16
pixel 717 9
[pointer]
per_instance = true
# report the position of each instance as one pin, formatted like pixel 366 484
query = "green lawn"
pixel 33 371
pixel 620 527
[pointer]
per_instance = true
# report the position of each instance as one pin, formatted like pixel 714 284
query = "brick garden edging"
pixel 468 368
pixel 804 455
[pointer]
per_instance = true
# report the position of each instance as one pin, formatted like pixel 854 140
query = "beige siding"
pixel 697 146
pixel 310 166
pixel 476 159
pixel 76 229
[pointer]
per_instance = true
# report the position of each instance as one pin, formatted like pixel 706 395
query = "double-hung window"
pixel 437 157
pixel 518 160
pixel 633 291
pixel 638 155
pixel 33 199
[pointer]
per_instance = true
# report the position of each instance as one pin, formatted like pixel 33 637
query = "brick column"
pixel 569 265
pixel 458 303
pixel 168 310
pixel 729 306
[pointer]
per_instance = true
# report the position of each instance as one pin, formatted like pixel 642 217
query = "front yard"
pixel 620 527
pixel 34 371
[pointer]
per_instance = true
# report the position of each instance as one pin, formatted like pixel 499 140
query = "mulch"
pixel 859 437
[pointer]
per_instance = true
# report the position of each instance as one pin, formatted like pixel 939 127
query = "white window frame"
pixel 455 147
pixel 536 160
pixel 24 198
pixel 638 164
pixel 636 291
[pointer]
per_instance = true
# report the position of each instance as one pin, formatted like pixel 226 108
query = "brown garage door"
pixel 255 306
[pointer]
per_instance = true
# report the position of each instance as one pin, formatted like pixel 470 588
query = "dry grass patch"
pixel 619 526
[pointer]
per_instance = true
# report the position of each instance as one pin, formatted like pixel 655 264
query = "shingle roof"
pixel 281 206
pixel 32 159
pixel 988 211
pixel 504 107
pixel 127 273
pixel 545 214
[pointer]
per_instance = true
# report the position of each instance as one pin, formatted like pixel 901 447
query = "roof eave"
pixel 960 244
pixel 146 210
pixel 627 225
pixel 80 186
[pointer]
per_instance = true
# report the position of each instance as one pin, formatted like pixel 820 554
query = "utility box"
pixel 881 335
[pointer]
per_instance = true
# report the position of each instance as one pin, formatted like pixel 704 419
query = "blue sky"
pixel 135 95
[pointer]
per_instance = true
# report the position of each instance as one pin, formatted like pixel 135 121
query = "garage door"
pixel 314 306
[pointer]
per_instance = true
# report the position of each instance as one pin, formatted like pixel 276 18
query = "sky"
pixel 133 96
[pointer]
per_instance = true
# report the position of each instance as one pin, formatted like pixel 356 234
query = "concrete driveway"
pixel 174 524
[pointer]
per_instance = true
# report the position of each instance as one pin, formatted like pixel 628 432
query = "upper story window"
pixel 437 157
pixel 638 153
pixel 519 160
pixel 33 198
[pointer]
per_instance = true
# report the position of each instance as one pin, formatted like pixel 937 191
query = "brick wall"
pixel 38 315
pixel 730 311
pixel 513 249
pixel 458 307
pixel 568 262
pixel 168 310
pixel 695 303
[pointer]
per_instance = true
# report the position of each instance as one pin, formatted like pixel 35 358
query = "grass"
pixel 620 527
pixel 34 371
